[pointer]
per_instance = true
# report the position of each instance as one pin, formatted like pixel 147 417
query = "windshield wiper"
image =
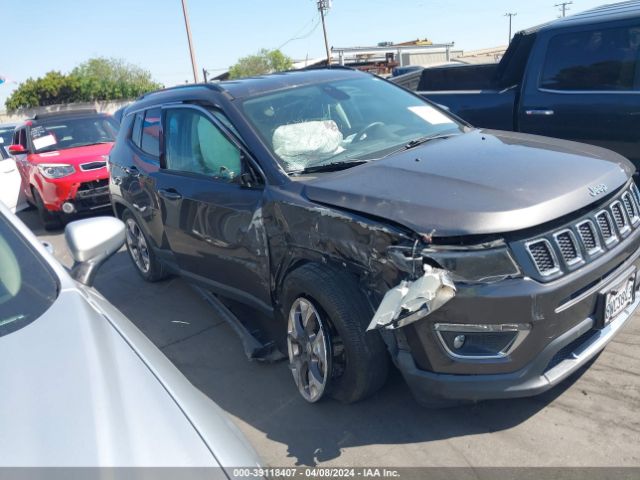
pixel 329 167
pixel 419 141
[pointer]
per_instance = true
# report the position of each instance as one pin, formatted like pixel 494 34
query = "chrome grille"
pixel 589 237
pixel 594 233
pixel 630 207
pixel 619 217
pixel 568 246
pixel 543 256
pixel 606 228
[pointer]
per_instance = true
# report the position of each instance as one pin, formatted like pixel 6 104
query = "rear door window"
pixel 150 142
pixel 604 59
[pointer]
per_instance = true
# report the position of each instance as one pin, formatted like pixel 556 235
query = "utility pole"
pixel 564 6
pixel 323 7
pixel 510 15
pixel 191 52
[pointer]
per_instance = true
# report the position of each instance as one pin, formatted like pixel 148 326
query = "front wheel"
pixel 50 220
pixel 143 256
pixel 330 351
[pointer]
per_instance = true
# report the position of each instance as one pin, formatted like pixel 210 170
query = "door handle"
pixel 169 194
pixel 542 112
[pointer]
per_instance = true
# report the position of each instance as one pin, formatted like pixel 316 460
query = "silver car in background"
pixel 82 386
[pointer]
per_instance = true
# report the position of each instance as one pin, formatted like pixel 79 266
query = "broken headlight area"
pixel 412 300
pixel 442 267
pixel 487 265
pixel 480 341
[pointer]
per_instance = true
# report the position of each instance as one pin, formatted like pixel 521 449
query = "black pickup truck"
pixel 577 78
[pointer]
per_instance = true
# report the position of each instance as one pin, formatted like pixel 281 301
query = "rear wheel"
pixel 330 351
pixel 143 256
pixel 50 220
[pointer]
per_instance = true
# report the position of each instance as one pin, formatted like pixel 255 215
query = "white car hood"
pixel 74 393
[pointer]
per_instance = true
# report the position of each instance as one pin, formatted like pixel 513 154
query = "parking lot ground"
pixel 591 420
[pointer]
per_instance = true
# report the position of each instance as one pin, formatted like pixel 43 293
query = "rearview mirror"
pixel 17 149
pixel 91 241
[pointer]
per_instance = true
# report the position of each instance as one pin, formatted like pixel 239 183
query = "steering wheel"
pixel 362 134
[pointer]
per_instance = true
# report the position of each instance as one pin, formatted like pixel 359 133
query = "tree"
pixel 51 89
pixel 265 61
pixel 111 79
pixel 95 79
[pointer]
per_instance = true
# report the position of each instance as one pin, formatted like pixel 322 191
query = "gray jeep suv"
pixel 373 225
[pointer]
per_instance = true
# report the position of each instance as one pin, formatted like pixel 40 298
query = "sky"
pixel 43 35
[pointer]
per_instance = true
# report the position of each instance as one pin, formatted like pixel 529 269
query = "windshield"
pixel 62 133
pixel 6 135
pixel 347 120
pixel 27 285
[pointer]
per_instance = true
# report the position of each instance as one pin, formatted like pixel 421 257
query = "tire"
pixel 358 362
pixel 50 220
pixel 142 255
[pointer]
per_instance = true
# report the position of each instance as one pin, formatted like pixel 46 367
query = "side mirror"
pixel 17 149
pixel 91 241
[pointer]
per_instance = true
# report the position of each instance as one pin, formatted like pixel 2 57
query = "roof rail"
pixel 178 87
pixel 64 113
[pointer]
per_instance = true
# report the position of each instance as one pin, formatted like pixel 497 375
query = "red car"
pixel 62 159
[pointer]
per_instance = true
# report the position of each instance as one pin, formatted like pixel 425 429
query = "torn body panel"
pixel 424 295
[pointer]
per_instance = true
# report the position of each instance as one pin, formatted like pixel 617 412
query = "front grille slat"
pixel 568 247
pixel 571 246
pixel 589 237
pixel 543 257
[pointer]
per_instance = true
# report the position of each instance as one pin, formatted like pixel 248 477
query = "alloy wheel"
pixel 309 349
pixel 137 245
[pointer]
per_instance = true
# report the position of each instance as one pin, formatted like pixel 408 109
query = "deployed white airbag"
pixel 301 144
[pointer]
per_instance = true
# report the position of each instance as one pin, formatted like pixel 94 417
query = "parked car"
pixel 485 264
pixel 575 78
pixel 61 157
pixel 10 182
pixel 87 387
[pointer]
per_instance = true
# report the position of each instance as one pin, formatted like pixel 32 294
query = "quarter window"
pixel 194 144
pixel 150 142
pixel 595 60
pixel 136 130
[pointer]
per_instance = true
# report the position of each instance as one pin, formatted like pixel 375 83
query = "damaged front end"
pixel 410 301
pixel 441 267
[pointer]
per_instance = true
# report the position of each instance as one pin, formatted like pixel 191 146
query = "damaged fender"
pixel 412 300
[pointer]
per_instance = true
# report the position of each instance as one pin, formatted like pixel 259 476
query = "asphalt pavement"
pixel 593 419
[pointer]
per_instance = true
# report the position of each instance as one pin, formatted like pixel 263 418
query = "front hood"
pixel 481 182
pixel 76 394
pixel 74 156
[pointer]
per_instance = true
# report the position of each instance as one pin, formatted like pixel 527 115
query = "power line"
pixel 306 35
pixel 510 15
pixel 564 6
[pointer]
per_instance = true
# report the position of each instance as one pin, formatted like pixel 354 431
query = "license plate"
pixel 618 298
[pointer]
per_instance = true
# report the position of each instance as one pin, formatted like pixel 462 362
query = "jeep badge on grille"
pixel 597 190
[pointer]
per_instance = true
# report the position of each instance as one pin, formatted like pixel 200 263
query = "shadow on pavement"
pixel 264 397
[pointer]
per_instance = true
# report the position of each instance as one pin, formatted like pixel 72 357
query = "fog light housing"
pixel 471 341
pixel 68 207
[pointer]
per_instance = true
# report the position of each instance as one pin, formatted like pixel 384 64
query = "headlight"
pixel 470 265
pixel 56 170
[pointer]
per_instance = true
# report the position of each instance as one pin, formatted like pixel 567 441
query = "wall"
pixel 24 113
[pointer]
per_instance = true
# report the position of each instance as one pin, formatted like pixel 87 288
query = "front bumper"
pixel 563 318
pixel 86 194
pixel 561 358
